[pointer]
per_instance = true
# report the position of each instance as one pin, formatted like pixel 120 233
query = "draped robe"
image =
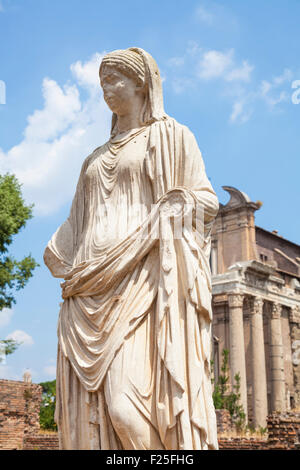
pixel 137 298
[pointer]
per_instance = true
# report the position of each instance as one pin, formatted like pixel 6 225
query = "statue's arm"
pixel 58 253
pixel 60 250
pixel 195 178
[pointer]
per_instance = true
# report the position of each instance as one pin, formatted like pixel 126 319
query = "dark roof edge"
pixel 278 236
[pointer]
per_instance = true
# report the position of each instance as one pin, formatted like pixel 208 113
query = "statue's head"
pixel 124 74
pixel 122 77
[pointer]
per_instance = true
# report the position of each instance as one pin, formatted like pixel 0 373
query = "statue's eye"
pixel 111 79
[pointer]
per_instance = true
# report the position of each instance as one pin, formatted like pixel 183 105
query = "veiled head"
pixel 127 61
pixel 120 87
pixel 126 73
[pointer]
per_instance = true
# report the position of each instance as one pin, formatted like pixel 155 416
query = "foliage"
pixel 47 409
pixel 8 346
pixel 230 400
pixel 262 431
pixel 14 274
pixel 14 214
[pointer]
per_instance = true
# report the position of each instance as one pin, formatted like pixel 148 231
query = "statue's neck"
pixel 131 119
pixel 127 122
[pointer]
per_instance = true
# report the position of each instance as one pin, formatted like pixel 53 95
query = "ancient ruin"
pixel 256 305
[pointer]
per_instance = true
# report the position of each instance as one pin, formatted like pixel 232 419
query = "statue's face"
pixel 118 90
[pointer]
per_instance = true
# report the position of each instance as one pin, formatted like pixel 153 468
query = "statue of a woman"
pixel 134 331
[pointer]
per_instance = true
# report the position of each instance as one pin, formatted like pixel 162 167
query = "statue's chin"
pixel 110 103
pixel 117 105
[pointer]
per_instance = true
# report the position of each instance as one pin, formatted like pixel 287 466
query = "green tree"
pixel 47 409
pixel 14 274
pixel 8 346
pixel 230 400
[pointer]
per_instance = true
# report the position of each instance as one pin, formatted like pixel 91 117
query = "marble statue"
pixel 134 330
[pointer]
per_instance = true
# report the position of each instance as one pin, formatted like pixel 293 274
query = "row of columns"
pixel 238 362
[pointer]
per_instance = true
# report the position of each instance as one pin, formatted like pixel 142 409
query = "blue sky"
pixel 228 69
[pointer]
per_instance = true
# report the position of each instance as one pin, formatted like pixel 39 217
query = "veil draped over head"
pixel 139 63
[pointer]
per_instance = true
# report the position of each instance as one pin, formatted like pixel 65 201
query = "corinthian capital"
pixel 276 310
pixel 235 300
pixel 257 305
pixel 295 314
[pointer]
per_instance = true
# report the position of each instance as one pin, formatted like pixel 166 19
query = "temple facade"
pixel 256 305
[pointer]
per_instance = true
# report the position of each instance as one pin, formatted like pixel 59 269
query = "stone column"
pixel 214 258
pixel 294 319
pixel 276 358
pixel 237 344
pixel 259 378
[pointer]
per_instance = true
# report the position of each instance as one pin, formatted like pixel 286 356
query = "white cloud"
pixel 236 110
pixel 58 137
pixel 203 15
pixel 215 63
pixel 1 6
pixel 238 82
pixel 218 64
pixel 239 112
pixel 21 337
pixel 268 90
pixel 241 73
pixel 265 87
pixel 286 76
pixel 210 65
pixel 5 316
pixel 87 74
pixel 273 101
pixel 63 104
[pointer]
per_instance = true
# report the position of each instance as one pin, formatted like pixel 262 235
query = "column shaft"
pixel 259 378
pixel 276 359
pixel 237 344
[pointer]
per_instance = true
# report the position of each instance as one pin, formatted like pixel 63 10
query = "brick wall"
pixel 284 431
pixel 41 442
pixel 283 434
pixel 19 412
pixel 243 443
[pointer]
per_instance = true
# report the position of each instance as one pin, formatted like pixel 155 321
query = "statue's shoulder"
pixel 177 127
pixel 92 156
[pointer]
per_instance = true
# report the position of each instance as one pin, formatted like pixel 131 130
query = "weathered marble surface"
pixel 134 329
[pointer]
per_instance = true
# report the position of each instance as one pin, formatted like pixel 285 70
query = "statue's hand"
pixel 176 202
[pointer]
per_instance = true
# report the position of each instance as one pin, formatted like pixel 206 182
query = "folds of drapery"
pixel 107 297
